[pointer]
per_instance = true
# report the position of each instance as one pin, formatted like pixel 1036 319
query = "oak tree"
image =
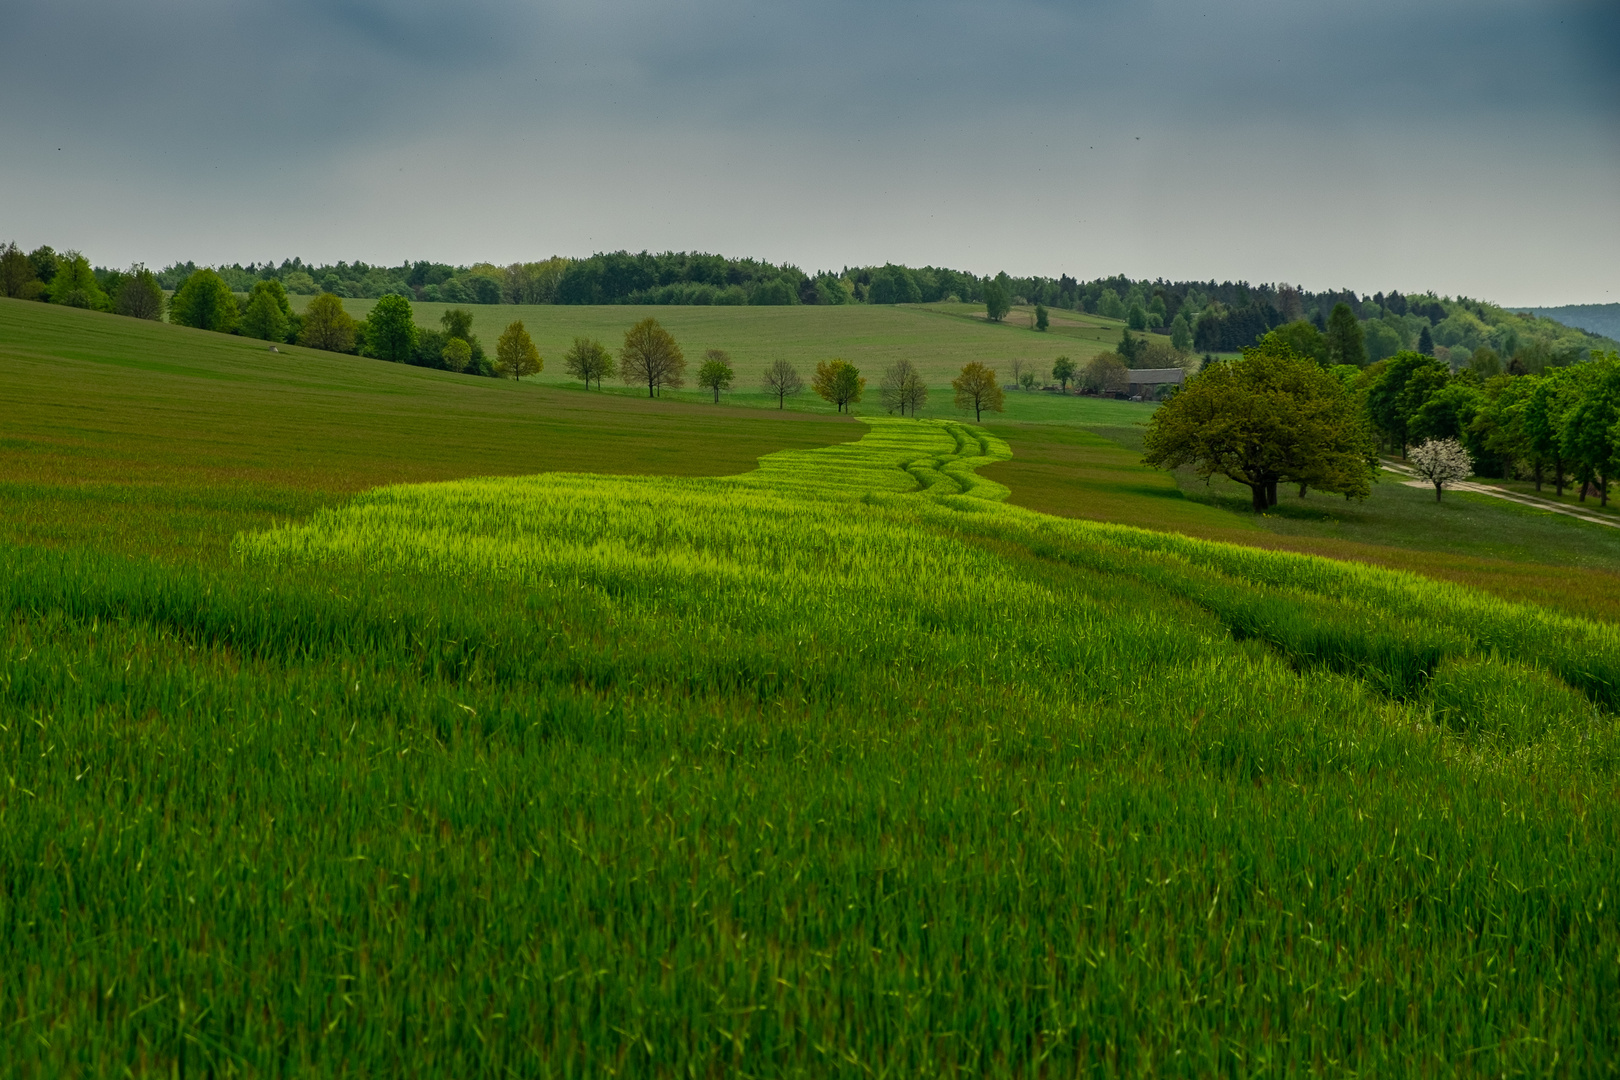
pixel 651 356
pixel 1269 416
pixel 1063 371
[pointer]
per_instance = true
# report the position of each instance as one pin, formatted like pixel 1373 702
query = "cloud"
pixel 1039 135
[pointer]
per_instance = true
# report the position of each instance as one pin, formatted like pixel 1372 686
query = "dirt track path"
pixel 1511 496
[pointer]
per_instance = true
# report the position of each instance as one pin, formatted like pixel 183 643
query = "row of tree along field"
pixel 1203 316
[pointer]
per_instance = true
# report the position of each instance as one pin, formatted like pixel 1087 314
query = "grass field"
pixel 938 338
pixel 836 763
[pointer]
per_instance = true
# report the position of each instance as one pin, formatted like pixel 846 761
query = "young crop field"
pixel 830 761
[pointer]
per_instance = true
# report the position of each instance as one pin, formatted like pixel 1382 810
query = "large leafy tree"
pixel 75 285
pixel 515 354
pixel 839 382
pixel 139 295
pixel 997 299
pixel 1591 425
pixel 390 330
pixel 977 390
pixel 267 315
pixel 1346 343
pixel 1551 399
pixel 650 355
pixel 588 359
pixel 1392 397
pixel 204 301
pixel 1269 416
pixel 327 325
pixel 17 275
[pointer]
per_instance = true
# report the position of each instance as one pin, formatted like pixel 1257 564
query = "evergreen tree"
pixel 1347 344
pixel 1426 342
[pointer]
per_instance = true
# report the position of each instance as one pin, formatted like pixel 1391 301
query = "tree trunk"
pixel 1271 493
pixel 1538 477
pixel 1302 488
pixel 1258 491
pixel 1438 487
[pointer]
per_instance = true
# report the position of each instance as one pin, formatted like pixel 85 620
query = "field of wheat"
pixel 842 766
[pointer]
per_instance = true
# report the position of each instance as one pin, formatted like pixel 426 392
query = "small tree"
pixel 140 296
pixel 997 300
pixel 515 354
pixel 1441 462
pixel 716 373
pixel 839 382
pixel 205 302
pixel 457 354
pixel 268 314
pixel 588 359
pixel 326 325
pixel 1063 371
pixel 782 379
pixel 390 330
pixel 651 356
pixel 976 390
pixel 903 389
pixel 1106 373
pixel 1041 321
pixel 1029 380
pixel 1181 333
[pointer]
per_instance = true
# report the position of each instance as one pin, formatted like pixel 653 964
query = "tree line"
pixel 1195 317
pixel 1290 411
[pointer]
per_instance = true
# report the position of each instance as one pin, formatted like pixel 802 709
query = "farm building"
pixel 1145 382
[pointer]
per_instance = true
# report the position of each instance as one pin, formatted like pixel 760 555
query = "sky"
pixel 1471 147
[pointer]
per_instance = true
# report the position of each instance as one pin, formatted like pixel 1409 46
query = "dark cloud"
pixel 1130 117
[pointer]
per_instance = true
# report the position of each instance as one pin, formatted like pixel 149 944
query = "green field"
pixel 938 338
pixel 794 749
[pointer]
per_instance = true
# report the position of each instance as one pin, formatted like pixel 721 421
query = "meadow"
pixel 836 763
pixel 938 338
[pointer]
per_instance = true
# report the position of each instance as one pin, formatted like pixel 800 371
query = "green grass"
pixel 839 765
pixel 1517 553
pixel 938 338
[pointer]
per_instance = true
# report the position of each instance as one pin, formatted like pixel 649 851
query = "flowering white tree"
pixel 1441 462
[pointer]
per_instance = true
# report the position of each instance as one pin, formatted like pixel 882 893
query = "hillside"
pixel 1601 319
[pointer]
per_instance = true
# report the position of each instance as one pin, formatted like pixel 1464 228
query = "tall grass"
pixel 842 767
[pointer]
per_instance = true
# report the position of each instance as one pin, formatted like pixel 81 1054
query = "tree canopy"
pixel 977 390
pixel 716 372
pixel 390 330
pixel 651 356
pixel 515 354
pixel 839 382
pixel 204 302
pixel 1270 416
pixel 588 359
pixel 327 325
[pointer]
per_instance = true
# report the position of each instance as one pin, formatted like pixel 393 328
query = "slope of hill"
pixel 1601 319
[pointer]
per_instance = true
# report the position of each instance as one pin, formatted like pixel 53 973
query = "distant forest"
pixel 1601 319
pixel 1201 316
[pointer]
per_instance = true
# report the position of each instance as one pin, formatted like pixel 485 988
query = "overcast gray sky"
pixel 1469 146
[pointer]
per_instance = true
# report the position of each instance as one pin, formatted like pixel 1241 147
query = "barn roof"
pixel 1145 376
